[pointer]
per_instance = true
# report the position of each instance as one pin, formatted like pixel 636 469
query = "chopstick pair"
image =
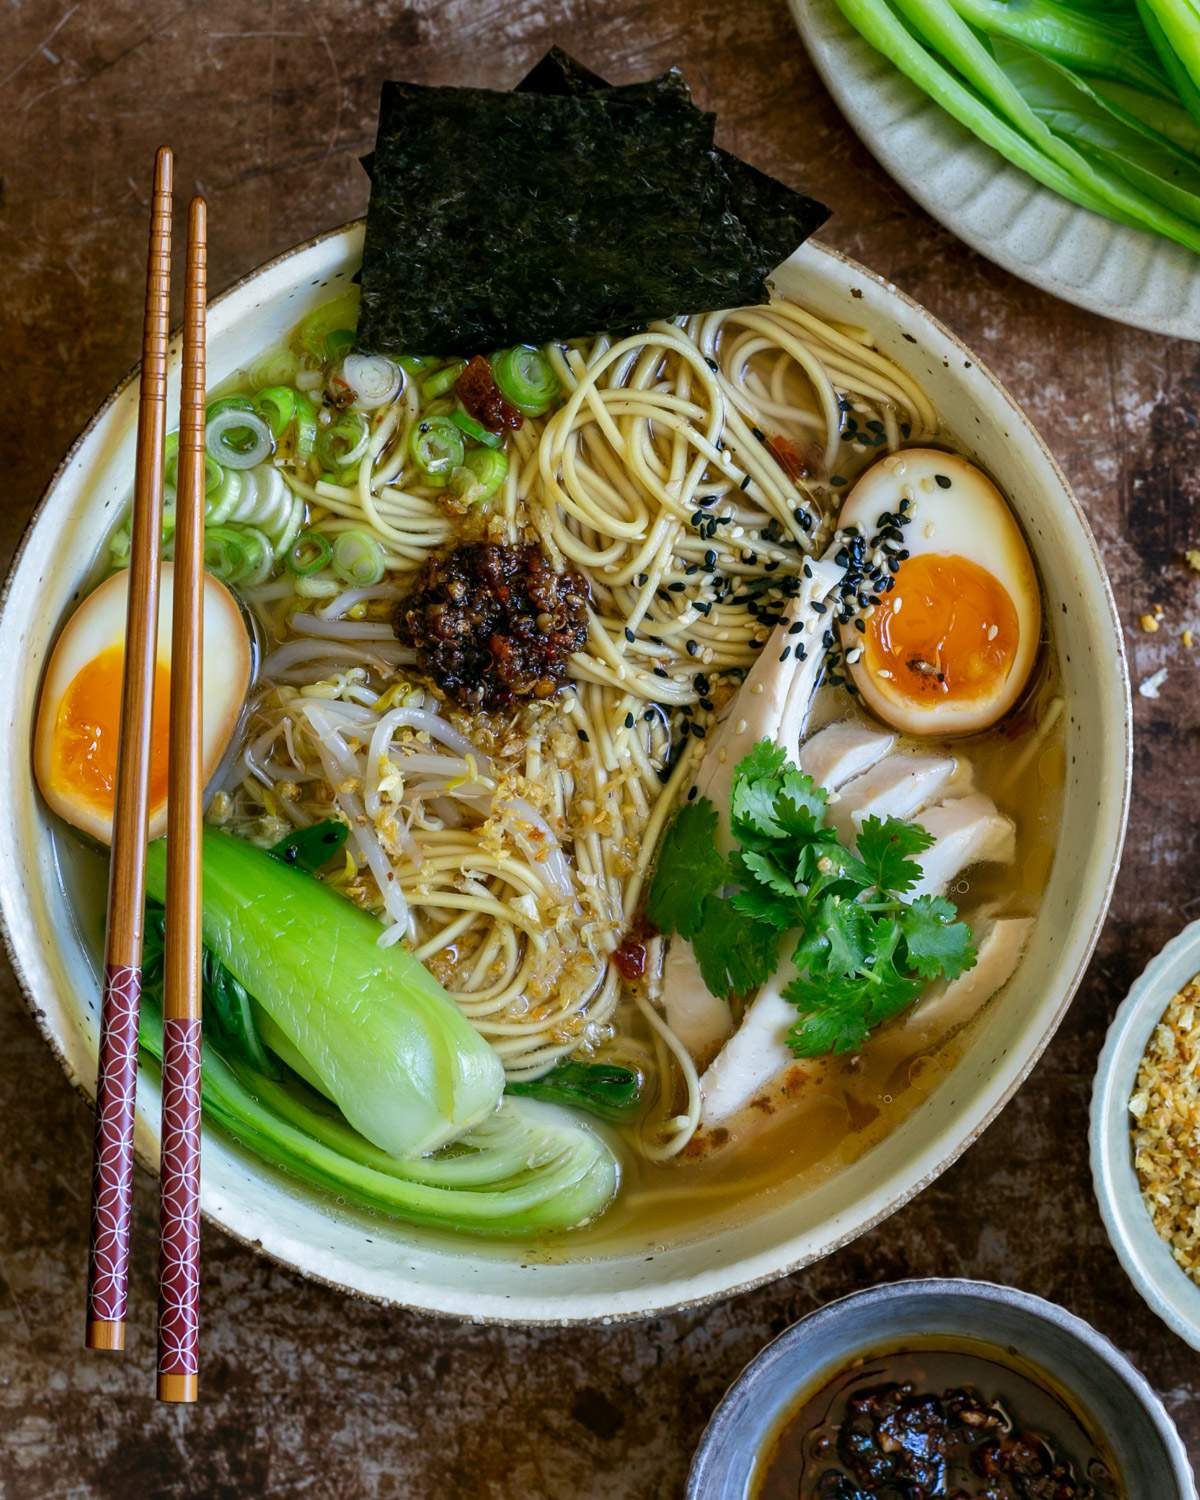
pixel 112 1170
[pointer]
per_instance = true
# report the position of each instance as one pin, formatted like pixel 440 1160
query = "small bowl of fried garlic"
pixel 1145 1134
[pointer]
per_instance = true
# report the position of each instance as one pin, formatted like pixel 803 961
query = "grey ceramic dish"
pixel 1146 1258
pixel 1151 1458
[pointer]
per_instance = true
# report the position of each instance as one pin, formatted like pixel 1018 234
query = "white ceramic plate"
pixel 389 1260
pixel 1147 1259
pixel 996 208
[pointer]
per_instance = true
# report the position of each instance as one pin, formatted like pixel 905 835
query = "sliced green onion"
pixel 374 380
pixel 341 313
pixel 277 406
pixel 308 554
pixel 343 443
pixel 225 499
pixel 337 343
pixel 276 367
pixel 412 364
pixel 480 475
pixel 234 554
pixel 237 438
pixel 437 447
pixel 443 381
pixel 525 378
pixel 358 558
pixel 306 427
pixel 476 431
pixel 213 473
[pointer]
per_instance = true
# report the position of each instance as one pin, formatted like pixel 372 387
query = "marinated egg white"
pixel 75 743
pixel 950 648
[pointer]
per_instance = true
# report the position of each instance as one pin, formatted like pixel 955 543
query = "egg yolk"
pixel 86 727
pixel 947 632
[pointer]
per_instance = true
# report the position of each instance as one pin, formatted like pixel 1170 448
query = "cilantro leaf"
pixel 938 946
pixel 885 846
pixel 862 952
pixel 762 870
pixel 689 868
pixel 800 806
pixel 756 902
pixel 736 954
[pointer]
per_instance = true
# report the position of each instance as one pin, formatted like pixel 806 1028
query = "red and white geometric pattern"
pixel 179 1202
pixel 112 1158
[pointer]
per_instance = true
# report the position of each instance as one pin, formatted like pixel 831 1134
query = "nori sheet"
pixel 558 210
pixel 778 217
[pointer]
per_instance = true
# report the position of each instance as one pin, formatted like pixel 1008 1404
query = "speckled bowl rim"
pixel 1163 1285
pixel 722 1429
pixel 85 1085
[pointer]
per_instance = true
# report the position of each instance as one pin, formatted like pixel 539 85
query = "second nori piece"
pixel 777 217
pixel 504 218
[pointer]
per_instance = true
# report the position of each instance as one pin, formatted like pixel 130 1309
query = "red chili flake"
pixel 480 395
pixel 630 957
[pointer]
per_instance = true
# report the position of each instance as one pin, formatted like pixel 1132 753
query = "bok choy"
pixel 1099 103
pixel 372 1027
pixel 527 1168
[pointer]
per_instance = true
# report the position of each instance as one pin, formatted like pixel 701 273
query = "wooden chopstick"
pixel 116 1083
pixel 179 1194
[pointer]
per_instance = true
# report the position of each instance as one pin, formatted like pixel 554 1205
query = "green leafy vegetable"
pixel 603 1089
pixel 311 848
pixel 373 1026
pixel 1101 103
pixel 689 870
pixel 526 1168
pixel 862 951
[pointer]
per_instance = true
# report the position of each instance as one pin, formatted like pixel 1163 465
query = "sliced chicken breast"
pixel 897 787
pixel 841 751
pixel 773 703
pixel 966 831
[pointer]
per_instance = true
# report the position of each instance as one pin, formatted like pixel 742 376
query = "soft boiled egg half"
pixel 75 743
pixel 950 648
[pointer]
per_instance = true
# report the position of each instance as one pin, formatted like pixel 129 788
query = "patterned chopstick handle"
pixel 179 1207
pixel 112 1161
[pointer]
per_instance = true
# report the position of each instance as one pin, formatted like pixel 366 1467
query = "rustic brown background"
pixel 268 105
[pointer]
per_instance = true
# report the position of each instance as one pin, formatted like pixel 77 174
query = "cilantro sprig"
pixel 863 950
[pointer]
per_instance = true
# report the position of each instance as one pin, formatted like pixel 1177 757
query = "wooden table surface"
pixel 305 1392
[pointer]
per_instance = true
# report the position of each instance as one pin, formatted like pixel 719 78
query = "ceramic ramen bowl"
pixel 54 950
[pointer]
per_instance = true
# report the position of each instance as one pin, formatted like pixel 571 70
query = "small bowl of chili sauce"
pixel 940 1390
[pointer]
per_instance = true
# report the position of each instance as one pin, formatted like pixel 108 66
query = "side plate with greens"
pixel 1113 269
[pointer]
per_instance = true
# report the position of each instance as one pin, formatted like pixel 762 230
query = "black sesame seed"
pixel 759 434
pixel 705 500
pixel 706 704
pixel 942 481
pixel 676 587
pixel 628 721
pixel 796 628
pixel 583 735
pixel 692 648
pixel 692 791
pixel 836 480
pixel 827 638
pixel 745 484
pixel 710 559
pixel 819 608
pixel 711 363
pixel 698 731
pixel 801 654
pixel 860 627
pixel 697 517
pixel 629 635
pixel 808 573
pixel 659 672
